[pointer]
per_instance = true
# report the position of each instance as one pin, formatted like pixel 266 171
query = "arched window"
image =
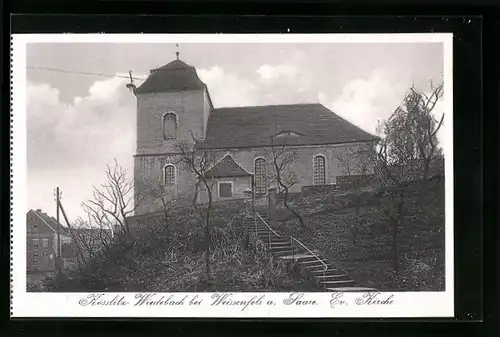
pixel 170 126
pixel 260 176
pixel 169 174
pixel 319 172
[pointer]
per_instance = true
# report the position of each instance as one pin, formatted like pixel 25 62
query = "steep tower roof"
pixel 174 76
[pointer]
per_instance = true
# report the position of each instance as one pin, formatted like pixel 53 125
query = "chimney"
pixel 39 210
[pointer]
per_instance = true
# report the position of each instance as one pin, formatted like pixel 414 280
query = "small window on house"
pixel 35 228
pixel 35 258
pixel 169 174
pixel 319 172
pixel 35 243
pixel 170 126
pixel 45 243
pixel 225 190
pixel 260 176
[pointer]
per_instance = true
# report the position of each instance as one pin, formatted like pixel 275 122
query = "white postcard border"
pixel 404 304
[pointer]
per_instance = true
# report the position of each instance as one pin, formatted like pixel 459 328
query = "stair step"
pixel 266 233
pixel 319 270
pixel 307 257
pixel 351 289
pixel 308 262
pixel 340 278
pixel 338 282
pixel 277 240
pixel 296 256
pixel 280 249
pixel 281 253
pixel 334 276
pixel 318 265
pixel 287 243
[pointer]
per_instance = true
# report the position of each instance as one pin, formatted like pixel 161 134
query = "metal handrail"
pixel 310 251
pixel 267 225
pixel 296 240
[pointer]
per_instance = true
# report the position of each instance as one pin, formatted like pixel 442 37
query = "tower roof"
pixel 174 76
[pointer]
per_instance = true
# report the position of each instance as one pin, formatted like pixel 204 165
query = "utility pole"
pixel 58 254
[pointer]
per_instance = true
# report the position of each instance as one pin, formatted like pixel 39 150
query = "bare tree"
pixel 283 159
pixel 112 202
pixel 89 238
pixel 408 138
pixel 165 194
pixel 199 161
pixel 357 162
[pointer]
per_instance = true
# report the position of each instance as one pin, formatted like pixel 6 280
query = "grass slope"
pixel 330 222
pixel 169 259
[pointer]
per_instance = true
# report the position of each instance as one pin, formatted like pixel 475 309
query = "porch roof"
pixel 225 168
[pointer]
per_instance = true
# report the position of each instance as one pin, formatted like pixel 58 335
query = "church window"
pixel 319 172
pixel 170 126
pixel 169 174
pixel 225 190
pixel 260 176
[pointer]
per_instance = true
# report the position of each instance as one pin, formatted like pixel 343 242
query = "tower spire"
pixel 177 52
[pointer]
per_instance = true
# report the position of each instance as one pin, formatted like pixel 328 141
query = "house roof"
pixel 174 76
pixel 226 167
pixel 295 124
pixel 50 221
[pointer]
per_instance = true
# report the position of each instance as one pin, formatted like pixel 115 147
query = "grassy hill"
pixel 331 223
pixel 171 258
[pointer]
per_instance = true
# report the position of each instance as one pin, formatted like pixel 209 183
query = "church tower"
pixel 173 105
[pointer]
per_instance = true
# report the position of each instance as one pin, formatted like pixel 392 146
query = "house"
pixel 174 111
pixel 41 241
pixel 89 240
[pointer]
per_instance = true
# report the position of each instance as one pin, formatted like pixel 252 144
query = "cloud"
pixel 228 89
pixel 69 145
pixel 363 101
pixel 269 73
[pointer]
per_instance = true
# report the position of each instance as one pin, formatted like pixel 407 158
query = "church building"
pixel 232 146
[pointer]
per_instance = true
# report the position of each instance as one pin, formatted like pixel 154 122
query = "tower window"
pixel 170 126
pixel 260 176
pixel 169 174
pixel 319 172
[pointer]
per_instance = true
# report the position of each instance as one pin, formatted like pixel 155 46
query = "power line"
pixel 82 73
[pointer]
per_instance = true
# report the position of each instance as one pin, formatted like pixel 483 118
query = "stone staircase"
pixel 326 274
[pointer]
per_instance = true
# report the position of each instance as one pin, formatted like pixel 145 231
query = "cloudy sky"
pixel 79 123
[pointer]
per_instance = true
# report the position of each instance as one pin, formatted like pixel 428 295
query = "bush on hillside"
pixel 369 260
pixel 173 259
